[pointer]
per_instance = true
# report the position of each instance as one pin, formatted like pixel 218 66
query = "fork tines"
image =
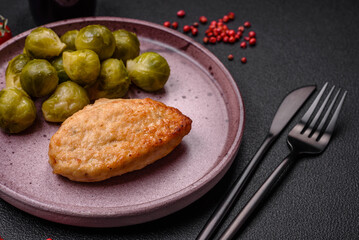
pixel 316 124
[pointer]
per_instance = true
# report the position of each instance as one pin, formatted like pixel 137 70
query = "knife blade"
pixel 286 111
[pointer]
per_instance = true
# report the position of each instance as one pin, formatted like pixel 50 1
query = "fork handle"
pixel 230 197
pixel 258 197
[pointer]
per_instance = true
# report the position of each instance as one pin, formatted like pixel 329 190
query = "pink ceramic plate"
pixel 199 85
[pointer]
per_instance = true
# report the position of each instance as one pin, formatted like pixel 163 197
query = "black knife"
pixel 286 111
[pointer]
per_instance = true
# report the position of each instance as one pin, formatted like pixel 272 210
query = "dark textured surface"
pixel 299 43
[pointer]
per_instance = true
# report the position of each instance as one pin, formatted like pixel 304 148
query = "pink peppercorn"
pixel 203 19
pixel 252 41
pixel 186 28
pixel 238 35
pixel 194 31
pixel 217 31
pixel 230 57
pixel 167 24
pixel 212 40
pixel 232 39
pixel 243 44
pixel 181 13
pixel 175 25
pixel 231 32
pixel 243 59
pixel 252 34
pixel 231 15
pixel 247 24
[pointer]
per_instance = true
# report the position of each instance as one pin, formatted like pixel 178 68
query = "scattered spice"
pixel 181 13
pixel 231 32
pixel 218 31
pixel 252 41
pixel 167 24
pixel 252 34
pixel 212 40
pixel 186 28
pixel 203 19
pixel 194 31
pixel 247 24
pixel 232 39
pixel 238 35
pixel 175 25
pixel 231 15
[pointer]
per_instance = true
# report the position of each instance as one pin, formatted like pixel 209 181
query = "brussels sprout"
pixel 43 43
pixel 67 99
pixel 27 53
pixel 127 45
pixel 149 71
pixel 113 81
pixel 97 38
pixel 69 39
pixel 38 78
pixel 57 63
pixel 13 70
pixel 82 66
pixel 17 110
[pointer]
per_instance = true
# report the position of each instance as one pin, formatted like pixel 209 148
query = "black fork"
pixel 310 136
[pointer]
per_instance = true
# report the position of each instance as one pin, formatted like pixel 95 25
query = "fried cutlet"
pixel 113 137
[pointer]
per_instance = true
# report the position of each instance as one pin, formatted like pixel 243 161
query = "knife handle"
pixel 237 187
pixel 258 197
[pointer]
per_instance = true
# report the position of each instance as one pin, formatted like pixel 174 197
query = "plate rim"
pixel 30 205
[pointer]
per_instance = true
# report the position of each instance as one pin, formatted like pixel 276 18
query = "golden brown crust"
pixel 112 137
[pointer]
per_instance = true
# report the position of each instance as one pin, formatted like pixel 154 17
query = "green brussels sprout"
pixel 149 71
pixel 13 70
pixel 57 63
pixel 43 43
pixel 97 38
pixel 127 45
pixel 38 78
pixel 27 53
pixel 113 81
pixel 17 110
pixel 69 39
pixel 82 66
pixel 67 99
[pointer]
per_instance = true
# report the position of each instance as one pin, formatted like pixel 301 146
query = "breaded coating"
pixel 113 137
